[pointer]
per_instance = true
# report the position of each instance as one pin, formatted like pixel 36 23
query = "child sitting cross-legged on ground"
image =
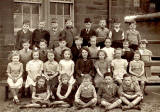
pixel 40 94
pixel 130 93
pixel 86 94
pixel 65 92
pixel 108 94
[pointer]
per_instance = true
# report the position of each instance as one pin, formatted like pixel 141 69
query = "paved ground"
pixel 151 103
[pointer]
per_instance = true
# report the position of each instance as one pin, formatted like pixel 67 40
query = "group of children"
pixel 100 66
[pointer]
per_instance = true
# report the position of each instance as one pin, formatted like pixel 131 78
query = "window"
pixel 61 9
pixel 26 11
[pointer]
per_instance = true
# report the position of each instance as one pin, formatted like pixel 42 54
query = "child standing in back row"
pixel 14 72
pixel 133 36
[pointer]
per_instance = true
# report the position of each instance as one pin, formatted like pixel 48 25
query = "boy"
pixel 58 50
pixel 109 50
pixel 117 35
pixel 133 36
pixel 25 56
pixel 93 49
pixel 68 32
pixel 43 50
pixel 54 34
pixel 51 72
pixel 76 50
pixel 87 32
pixel 108 94
pixel 128 53
pixel 102 33
pixel 86 94
pixel 39 34
pixel 23 34
pixel 130 93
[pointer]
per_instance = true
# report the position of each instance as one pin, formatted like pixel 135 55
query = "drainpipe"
pixel 109 13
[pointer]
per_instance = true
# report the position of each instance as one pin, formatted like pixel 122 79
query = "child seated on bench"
pixel 14 72
pixel 130 93
pixel 108 94
pixel 86 94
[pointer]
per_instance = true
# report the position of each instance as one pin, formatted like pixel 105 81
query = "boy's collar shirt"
pixel 117 29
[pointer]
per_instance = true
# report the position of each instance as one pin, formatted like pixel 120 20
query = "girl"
pixel 108 94
pixel 65 92
pixel 34 69
pixel 109 50
pixel 136 68
pixel 102 67
pixel 66 65
pixel 145 53
pixel 86 94
pixel 84 66
pixel 14 72
pixel 130 93
pixel 119 66
pixel 40 94
pixel 51 71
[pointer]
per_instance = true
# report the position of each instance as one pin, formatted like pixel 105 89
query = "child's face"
pixel 78 42
pixel 108 79
pixel 84 54
pixel 93 42
pixel 108 43
pixel 88 25
pixel 125 45
pixel 54 25
pixel 102 23
pixel 132 26
pixel 117 25
pixel 15 58
pixel 128 80
pixel 25 26
pixel 118 53
pixel 69 23
pixel 64 80
pixel 42 45
pixel 67 55
pixel 136 57
pixel 41 25
pixel 62 43
pixel 86 82
pixel 35 55
pixel 41 82
pixel 50 56
pixel 143 45
pixel 101 55
pixel 26 45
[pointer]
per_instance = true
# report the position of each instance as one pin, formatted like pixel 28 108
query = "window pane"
pixel 26 9
pixel 35 20
pixel 17 8
pixel 53 8
pixel 17 20
pixel 66 9
pixel 59 9
pixel 35 8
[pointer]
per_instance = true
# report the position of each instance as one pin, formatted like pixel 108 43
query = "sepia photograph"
pixel 79 55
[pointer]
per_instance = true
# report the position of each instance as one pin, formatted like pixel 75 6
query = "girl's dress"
pixel 34 66
pixel 119 66
pixel 136 67
pixel 15 69
pixel 104 67
pixel 66 67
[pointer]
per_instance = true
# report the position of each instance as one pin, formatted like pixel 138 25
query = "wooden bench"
pixel 4 84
